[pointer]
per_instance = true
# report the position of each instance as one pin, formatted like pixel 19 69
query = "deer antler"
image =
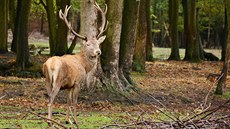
pixel 104 24
pixel 63 16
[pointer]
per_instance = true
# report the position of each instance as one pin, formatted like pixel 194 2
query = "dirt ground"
pixel 175 85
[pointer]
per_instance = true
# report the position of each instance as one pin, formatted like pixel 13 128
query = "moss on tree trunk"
pixel 21 34
pixel 139 57
pixel 173 29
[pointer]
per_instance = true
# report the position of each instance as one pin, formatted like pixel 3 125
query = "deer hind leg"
pixel 69 102
pixel 74 101
pixel 52 95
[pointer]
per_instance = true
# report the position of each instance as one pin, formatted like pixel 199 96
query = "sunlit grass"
pixel 164 53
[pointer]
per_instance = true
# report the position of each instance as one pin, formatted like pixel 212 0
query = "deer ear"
pixel 101 39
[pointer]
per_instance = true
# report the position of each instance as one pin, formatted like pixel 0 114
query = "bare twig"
pixel 206 97
pixel 51 120
pixel 209 112
pixel 3 96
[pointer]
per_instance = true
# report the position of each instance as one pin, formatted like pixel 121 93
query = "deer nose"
pixel 98 52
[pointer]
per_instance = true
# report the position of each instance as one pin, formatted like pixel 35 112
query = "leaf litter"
pixel 173 86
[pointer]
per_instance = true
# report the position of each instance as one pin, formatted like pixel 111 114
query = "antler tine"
pixel 104 21
pixel 63 16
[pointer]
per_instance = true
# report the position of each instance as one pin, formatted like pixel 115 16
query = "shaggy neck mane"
pixel 86 62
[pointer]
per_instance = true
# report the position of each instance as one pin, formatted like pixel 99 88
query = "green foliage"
pixel 211 12
pixel 37 10
pixel 75 5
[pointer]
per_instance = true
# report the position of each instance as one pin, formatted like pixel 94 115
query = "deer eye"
pixel 87 44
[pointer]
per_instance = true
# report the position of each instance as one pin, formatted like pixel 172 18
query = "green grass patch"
pixel 226 95
pixel 23 124
pixel 164 53
pixel 16 117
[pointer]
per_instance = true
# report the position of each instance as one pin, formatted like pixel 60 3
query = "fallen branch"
pixel 51 120
pixel 3 96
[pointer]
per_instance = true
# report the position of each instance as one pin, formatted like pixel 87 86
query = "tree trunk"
pixel 21 33
pixel 128 36
pixel 139 57
pixel 3 27
pixel 223 36
pixel 12 14
pixel 62 30
pixel 224 73
pixel 173 29
pixel 52 25
pixel 88 19
pixel 111 45
pixel 149 42
pixel 88 22
pixel 192 47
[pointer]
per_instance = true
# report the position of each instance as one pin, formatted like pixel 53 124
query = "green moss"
pixel 23 124
pixel 226 95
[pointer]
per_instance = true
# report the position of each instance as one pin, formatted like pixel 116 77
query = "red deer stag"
pixel 69 71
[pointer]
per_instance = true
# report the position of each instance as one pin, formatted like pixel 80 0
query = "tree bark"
pixel 21 34
pixel 3 27
pixel 139 57
pixel 224 73
pixel 12 10
pixel 149 41
pixel 128 36
pixel 223 36
pixel 52 23
pixel 111 45
pixel 88 22
pixel 173 29
pixel 88 19
pixel 192 47
pixel 62 30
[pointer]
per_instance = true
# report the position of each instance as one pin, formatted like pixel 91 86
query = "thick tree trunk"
pixel 62 30
pixel 224 73
pixel 21 33
pixel 88 28
pixel 12 10
pixel 140 47
pixel 173 29
pixel 88 18
pixel 149 42
pixel 52 25
pixel 3 27
pixel 128 37
pixel 192 47
pixel 111 45
pixel 223 36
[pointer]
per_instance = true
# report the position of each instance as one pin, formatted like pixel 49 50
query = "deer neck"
pixel 86 62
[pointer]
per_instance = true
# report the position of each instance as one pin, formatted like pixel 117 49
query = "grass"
pixel 158 53
pixel 164 53
pixel 23 124
pixel 43 44
pixel 14 117
pixel 226 95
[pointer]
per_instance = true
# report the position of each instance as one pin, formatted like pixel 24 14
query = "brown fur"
pixel 69 72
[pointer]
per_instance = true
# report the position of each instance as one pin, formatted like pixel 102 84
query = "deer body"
pixel 69 71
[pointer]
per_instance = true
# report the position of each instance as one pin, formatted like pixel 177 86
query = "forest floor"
pixel 167 89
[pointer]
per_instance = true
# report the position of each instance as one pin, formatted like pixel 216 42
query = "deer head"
pixel 90 46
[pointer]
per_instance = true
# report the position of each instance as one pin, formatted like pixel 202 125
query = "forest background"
pixel 138 34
